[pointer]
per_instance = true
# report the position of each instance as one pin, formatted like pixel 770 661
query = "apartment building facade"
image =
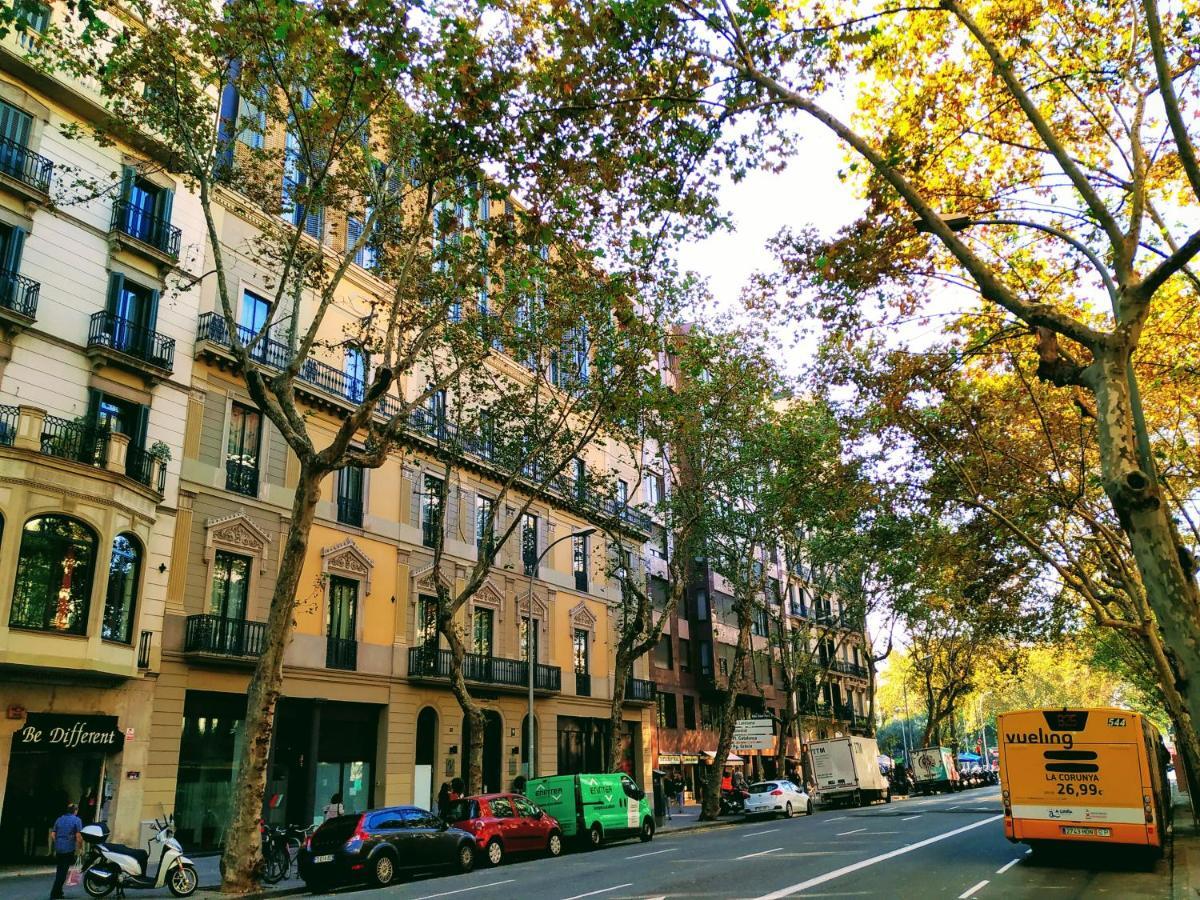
pixel 95 375
pixel 127 438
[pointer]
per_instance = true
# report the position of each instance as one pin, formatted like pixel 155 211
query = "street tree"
pixel 1055 185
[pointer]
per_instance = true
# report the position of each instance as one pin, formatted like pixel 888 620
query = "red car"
pixel 506 823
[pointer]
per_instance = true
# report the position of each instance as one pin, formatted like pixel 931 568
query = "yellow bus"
pixel 1083 775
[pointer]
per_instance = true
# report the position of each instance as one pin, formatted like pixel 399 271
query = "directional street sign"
pixel 757 742
pixel 748 727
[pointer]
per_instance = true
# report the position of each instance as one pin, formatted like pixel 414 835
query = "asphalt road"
pixel 947 846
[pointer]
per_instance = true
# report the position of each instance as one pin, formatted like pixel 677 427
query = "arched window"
pixel 54 575
pixel 124 568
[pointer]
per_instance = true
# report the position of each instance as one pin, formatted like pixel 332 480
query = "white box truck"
pixel 846 770
pixel 934 770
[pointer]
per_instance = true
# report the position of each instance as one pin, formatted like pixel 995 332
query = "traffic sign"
pixel 753 726
pixel 757 742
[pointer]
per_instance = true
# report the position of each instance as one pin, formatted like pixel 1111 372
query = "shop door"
pixel 40 785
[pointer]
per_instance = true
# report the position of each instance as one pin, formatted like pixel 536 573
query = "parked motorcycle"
pixel 733 802
pixel 110 866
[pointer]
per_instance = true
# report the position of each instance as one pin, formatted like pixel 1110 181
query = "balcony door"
pixel 107 413
pixel 133 314
pixel 14 138
pixel 227 604
pixel 145 209
pixel 342 621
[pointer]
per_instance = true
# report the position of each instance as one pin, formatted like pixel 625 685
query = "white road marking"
pixel 759 853
pixel 862 864
pixel 652 853
pixel 464 890
pixel 855 831
pixel 836 818
pixel 971 890
pixel 607 890
pixel 1030 850
pixel 756 833
pixel 910 818
pixel 1008 865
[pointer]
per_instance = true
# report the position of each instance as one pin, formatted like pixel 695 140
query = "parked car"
pixel 376 846
pixel 594 809
pixel 506 823
pixel 777 798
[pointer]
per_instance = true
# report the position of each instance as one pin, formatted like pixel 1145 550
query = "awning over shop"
pixel 733 759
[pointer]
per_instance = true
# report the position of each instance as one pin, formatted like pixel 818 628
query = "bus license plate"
pixel 1086 832
pixel 328 857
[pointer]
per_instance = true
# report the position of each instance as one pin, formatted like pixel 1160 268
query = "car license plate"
pixel 1086 832
pixel 328 857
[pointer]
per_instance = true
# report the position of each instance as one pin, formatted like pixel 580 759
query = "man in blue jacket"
pixel 67 839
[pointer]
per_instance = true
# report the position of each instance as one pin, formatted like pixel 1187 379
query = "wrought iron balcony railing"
pixel 341 653
pixel 19 294
pixel 583 684
pixel 21 164
pixel 639 690
pixel 223 636
pixel 350 511
pixel 75 441
pixel 429 662
pixel 112 332
pixel 153 231
pixel 140 465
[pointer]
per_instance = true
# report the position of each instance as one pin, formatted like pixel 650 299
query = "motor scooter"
pixel 733 802
pixel 108 867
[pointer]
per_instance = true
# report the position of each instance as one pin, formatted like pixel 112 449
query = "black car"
pixel 376 846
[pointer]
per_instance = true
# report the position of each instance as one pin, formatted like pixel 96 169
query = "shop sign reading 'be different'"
pixel 72 734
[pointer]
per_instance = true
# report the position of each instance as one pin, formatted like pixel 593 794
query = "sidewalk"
pixel 689 820
pixel 1185 853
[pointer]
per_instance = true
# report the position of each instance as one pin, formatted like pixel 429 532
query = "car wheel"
pixel 554 845
pixel 383 870
pixel 787 810
pixel 647 832
pixel 494 852
pixel 595 836
pixel 466 858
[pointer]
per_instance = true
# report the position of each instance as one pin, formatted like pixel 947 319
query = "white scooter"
pixel 115 866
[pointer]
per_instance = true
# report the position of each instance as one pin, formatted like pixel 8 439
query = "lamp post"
pixel 958 222
pixel 904 730
pixel 530 656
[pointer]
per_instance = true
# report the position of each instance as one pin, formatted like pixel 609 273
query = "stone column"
pixel 118 449
pixel 30 424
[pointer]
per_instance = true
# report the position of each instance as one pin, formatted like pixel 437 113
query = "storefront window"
pixel 123 570
pixel 54 575
pixel 208 753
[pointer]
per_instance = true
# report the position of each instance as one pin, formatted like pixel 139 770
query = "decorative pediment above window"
pixel 238 533
pixel 541 609
pixel 582 617
pixel 423 579
pixel 348 560
pixel 488 596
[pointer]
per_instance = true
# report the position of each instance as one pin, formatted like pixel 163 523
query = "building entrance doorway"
pixel 493 738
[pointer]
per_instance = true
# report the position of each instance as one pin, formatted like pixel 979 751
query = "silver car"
pixel 777 798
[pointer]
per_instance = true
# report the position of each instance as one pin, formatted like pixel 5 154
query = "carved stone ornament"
pixel 348 559
pixel 582 617
pixel 237 532
pixel 424 579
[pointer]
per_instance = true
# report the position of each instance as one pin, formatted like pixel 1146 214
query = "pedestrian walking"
pixel 334 808
pixel 443 799
pixel 67 840
pixel 677 790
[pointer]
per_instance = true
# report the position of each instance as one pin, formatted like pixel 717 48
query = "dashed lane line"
pixel 910 818
pixel 971 890
pixel 477 887
pixel 652 853
pixel 865 863
pixel 757 833
pixel 759 853
pixel 855 831
pixel 1008 865
pixel 607 890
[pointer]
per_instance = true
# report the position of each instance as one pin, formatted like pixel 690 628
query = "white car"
pixel 777 798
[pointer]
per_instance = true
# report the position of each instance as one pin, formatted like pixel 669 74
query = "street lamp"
pixel 904 730
pixel 531 659
pixel 960 222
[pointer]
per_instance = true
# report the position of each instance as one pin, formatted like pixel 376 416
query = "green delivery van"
pixel 594 809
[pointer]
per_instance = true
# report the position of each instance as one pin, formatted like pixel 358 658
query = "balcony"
pixel 25 173
pixel 18 299
pixel 583 684
pixel 350 511
pixel 241 477
pixel 492 670
pixel 341 653
pixel 848 668
pixel 144 468
pixel 331 388
pixel 74 441
pixel 145 233
pixel 220 637
pixel 130 346
pixel 639 690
